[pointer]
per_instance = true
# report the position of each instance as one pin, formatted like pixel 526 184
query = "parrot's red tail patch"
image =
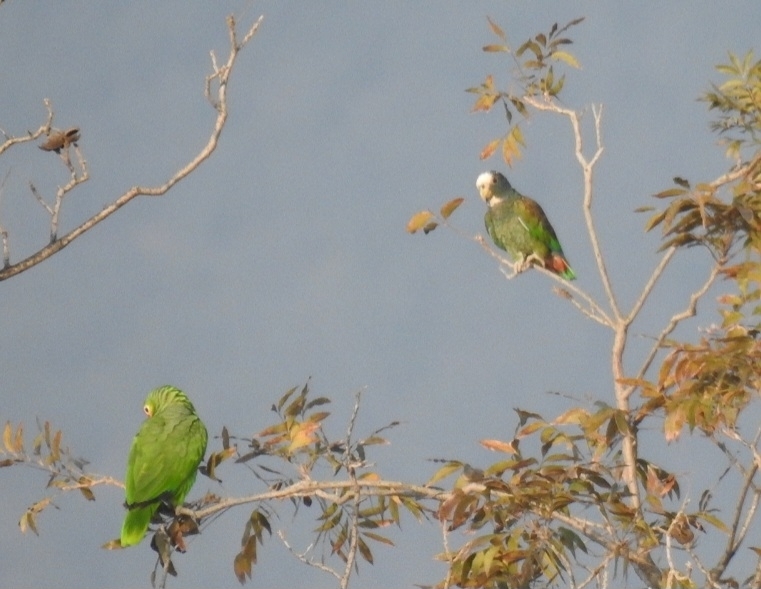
pixel 559 265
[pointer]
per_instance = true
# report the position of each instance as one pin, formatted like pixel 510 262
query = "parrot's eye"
pixel 147 410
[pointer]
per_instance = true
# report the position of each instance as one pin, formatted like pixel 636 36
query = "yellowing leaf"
pixel 18 443
pixel 55 451
pixel 318 416
pixel 485 101
pixel 450 207
pixel 495 48
pixel 670 192
pixel 490 148
pixel 566 57
pixel 444 472
pixel 27 523
pixel 573 416
pixel 418 221
pixel 496 29
pixel 8 436
pixel 499 446
pixel 303 435
pixel 672 425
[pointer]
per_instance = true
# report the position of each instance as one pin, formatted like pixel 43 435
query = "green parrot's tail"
pixel 559 265
pixel 136 524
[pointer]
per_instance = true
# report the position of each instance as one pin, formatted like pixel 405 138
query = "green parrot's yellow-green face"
pixel 163 460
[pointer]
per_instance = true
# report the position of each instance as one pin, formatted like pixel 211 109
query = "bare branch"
pixel 43 129
pixel 305 559
pixel 637 307
pixel 218 99
pixel 351 555
pixel 587 167
pixel 676 320
pixel 323 489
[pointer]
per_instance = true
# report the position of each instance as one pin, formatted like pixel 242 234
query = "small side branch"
pixel 676 320
pixel 221 75
pixel 44 129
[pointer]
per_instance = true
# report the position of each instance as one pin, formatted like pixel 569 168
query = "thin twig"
pixel 675 321
pixel 221 75
pixel 657 272
pixel 303 557
pixel 30 136
pixel 351 555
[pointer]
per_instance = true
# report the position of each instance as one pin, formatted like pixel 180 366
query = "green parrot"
pixel 518 225
pixel 163 459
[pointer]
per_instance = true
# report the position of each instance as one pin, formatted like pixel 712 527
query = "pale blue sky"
pixel 285 255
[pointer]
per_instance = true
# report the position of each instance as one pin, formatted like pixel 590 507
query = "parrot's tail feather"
pixel 559 265
pixel 136 524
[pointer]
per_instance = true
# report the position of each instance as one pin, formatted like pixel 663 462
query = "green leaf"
pixel 378 538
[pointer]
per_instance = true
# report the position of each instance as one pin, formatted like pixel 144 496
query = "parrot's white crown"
pixel 485 178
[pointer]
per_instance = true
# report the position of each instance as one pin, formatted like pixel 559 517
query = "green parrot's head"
pixel 162 397
pixel 491 185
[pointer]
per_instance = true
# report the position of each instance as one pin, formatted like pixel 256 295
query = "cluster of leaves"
pixel 65 472
pixel 531 517
pixel 349 517
pixel 699 216
pixel 427 220
pixel 707 385
pixel 535 59
pixel 739 101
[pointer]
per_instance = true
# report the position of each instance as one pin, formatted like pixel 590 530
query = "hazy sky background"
pixel 285 255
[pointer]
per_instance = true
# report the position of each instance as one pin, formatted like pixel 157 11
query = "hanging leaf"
pixel 490 148
pixel 448 208
pixel 567 58
pixel 496 29
pixel 499 446
pixel 430 227
pixel 418 221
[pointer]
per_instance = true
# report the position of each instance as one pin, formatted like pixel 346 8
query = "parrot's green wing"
pixel 520 227
pixel 163 460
